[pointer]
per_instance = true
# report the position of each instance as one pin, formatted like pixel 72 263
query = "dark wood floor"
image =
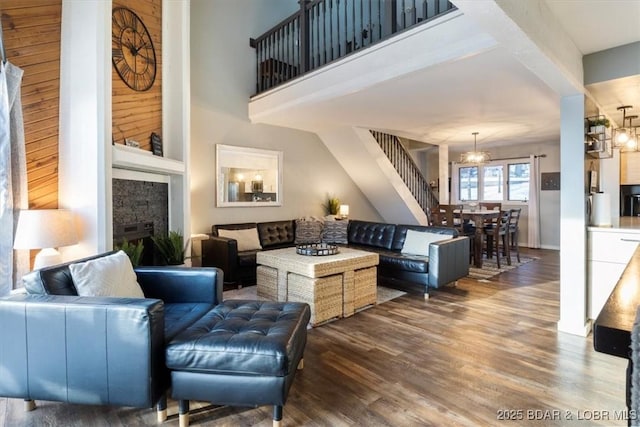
pixel 475 355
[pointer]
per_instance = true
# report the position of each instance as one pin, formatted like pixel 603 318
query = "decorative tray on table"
pixel 316 249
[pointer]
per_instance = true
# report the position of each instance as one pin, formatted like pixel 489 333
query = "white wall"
pixel 223 68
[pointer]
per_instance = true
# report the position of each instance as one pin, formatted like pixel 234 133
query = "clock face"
pixel 132 51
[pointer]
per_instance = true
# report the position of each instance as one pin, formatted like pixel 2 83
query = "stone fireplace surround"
pixel 140 210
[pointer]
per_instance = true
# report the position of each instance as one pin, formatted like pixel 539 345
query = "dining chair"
pixel 452 215
pixel 490 206
pixel 500 235
pixel 436 217
pixel 514 219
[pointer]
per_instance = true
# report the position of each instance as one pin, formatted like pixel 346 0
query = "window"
pixel 468 179
pixel 518 181
pixel 494 181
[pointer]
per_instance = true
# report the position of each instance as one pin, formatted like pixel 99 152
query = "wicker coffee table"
pixel 333 285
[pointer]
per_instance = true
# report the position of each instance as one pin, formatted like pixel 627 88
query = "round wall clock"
pixel 132 52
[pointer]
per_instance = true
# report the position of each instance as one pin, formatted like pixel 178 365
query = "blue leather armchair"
pixel 58 346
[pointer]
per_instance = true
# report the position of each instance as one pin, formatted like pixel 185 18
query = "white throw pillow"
pixel 417 242
pixel 247 238
pixel 108 276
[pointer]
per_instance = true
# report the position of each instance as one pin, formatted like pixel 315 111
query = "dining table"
pixel 480 218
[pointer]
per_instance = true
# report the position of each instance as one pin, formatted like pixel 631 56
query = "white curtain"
pixel 13 176
pixel 534 202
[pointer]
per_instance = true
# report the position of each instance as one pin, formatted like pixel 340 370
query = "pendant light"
pixel 475 156
pixel 622 134
pixel 632 136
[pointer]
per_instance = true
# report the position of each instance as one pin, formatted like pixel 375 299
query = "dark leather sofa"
pixel 240 266
pixel 59 346
pixel 447 262
pixel 99 350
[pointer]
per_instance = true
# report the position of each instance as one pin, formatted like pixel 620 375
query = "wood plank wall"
pixel 31 31
pixel 137 114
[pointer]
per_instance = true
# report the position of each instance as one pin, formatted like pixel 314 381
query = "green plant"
pixel 133 250
pixel 170 247
pixel 333 205
pixel 600 121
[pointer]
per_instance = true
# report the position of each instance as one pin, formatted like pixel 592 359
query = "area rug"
pixel 384 294
pixel 490 268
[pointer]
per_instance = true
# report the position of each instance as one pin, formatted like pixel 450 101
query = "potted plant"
pixel 133 250
pixel 598 124
pixel 170 248
pixel 333 205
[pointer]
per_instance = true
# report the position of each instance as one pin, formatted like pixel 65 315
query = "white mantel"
pixel 123 157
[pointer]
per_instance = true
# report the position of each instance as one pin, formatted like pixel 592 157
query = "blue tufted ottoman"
pixel 241 353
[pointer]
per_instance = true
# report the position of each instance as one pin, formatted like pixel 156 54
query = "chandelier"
pixel 632 132
pixel 475 156
pixel 625 136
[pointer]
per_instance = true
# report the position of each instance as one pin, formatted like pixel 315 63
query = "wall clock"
pixel 132 51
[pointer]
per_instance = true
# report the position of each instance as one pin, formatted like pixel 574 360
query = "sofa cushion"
pixel 373 234
pixel 417 242
pixel 276 234
pixel 54 280
pixel 308 230
pixel 403 262
pixel 401 233
pixel 239 226
pixel 110 276
pixel 335 232
pixel 247 239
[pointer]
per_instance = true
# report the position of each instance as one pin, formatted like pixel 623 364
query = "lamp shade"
pixel 344 210
pixel 45 228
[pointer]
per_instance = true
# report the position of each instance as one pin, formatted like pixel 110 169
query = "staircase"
pixel 363 158
pixel 408 170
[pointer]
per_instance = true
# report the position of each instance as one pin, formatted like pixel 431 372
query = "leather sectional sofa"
pixel 447 260
pixel 59 346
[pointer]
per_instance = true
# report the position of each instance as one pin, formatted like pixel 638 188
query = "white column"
pixel 573 219
pixel 84 179
pixel 443 173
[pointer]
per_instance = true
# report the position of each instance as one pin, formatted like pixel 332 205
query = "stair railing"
pixel 408 170
pixel 323 31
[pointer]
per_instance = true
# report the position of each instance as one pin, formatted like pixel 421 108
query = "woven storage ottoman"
pixel 267 282
pixel 366 290
pixel 324 295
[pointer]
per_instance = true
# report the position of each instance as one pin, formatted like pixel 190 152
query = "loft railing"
pixel 408 170
pixel 323 31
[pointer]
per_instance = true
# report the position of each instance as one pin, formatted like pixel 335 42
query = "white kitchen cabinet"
pixel 609 251
pixel 630 168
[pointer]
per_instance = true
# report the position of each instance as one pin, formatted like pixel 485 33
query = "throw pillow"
pixel 308 231
pixel 335 232
pixel 417 242
pixel 247 238
pixel 108 276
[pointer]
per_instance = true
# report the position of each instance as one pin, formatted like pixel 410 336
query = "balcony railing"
pixel 323 31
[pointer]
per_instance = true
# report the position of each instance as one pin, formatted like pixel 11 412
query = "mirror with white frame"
pixel 248 176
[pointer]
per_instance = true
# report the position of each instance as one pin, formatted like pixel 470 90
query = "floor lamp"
pixel 45 229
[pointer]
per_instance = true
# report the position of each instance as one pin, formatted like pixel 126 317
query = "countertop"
pixel 623 224
pixel 612 328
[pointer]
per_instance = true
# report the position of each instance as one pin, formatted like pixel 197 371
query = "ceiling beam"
pixel 532 34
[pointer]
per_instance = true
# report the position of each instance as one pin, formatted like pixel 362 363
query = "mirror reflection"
pixel 248 176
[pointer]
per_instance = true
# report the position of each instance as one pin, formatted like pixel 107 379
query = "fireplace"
pixel 140 210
